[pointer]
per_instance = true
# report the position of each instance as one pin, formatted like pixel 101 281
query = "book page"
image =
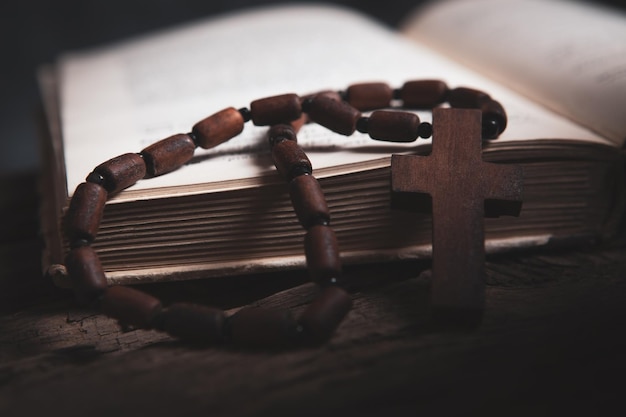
pixel 569 56
pixel 127 96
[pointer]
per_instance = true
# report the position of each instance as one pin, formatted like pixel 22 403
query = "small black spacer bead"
pixel 323 221
pixel 149 165
pixel 306 104
pixel 194 138
pixel 317 221
pixel 490 128
pixel 330 282
pixel 446 95
pixel 397 93
pixel 299 335
pixel 333 281
pixel 425 130
pixel 275 140
pixel 245 113
pixel 158 321
pixel 362 124
pixel 298 170
pixel 95 178
pixel 227 329
pixel 281 132
pixel 79 243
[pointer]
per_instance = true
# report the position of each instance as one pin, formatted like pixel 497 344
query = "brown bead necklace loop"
pixel 337 111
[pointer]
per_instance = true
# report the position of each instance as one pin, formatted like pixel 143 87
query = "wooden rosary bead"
pixel 281 132
pixel 423 94
pixel 194 323
pixel 337 116
pixel 86 274
pixel 168 154
pixel 256 327
pixel 121 172
pixel 393 126
pixel 130 307
pixel 277 109
pixel 369 96
pixel 84 214
pixel 322 254
pixel 308 201
pixel 218 128
pixel 322 317
pixel 467 98
pixel 290 160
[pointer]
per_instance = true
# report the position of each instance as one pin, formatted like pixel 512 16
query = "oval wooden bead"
pixel 369 96
pixel 281 132
pixel 322 317
pixel 84 214
pixel 130 306
pixel 194 323
pixel 121 172
pixel 322 254
pixel 290 160
pixel 423 94
pixel 308 201
pixel 393 126
pixel 168 154
pixel 337 116
pixel 256 327
pixel 86 274
pixel 277 109
pixel 467 98
pixel 218 128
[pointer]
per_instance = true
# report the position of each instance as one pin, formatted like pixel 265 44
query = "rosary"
pixel 457 289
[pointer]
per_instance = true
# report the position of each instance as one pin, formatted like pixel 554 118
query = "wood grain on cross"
pixel 463 189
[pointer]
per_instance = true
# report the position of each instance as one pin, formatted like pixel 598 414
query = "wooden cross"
pixel 463 189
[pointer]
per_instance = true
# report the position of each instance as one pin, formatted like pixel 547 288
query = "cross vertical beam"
pixel 461 186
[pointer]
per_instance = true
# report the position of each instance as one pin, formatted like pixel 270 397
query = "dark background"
pixel 553 343
pixel 34 32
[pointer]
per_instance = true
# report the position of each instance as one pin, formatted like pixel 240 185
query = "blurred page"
pixel 569 56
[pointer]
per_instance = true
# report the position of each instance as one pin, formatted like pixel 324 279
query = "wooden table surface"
pixel 552 342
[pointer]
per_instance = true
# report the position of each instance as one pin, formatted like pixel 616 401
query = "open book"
pixel 228 212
